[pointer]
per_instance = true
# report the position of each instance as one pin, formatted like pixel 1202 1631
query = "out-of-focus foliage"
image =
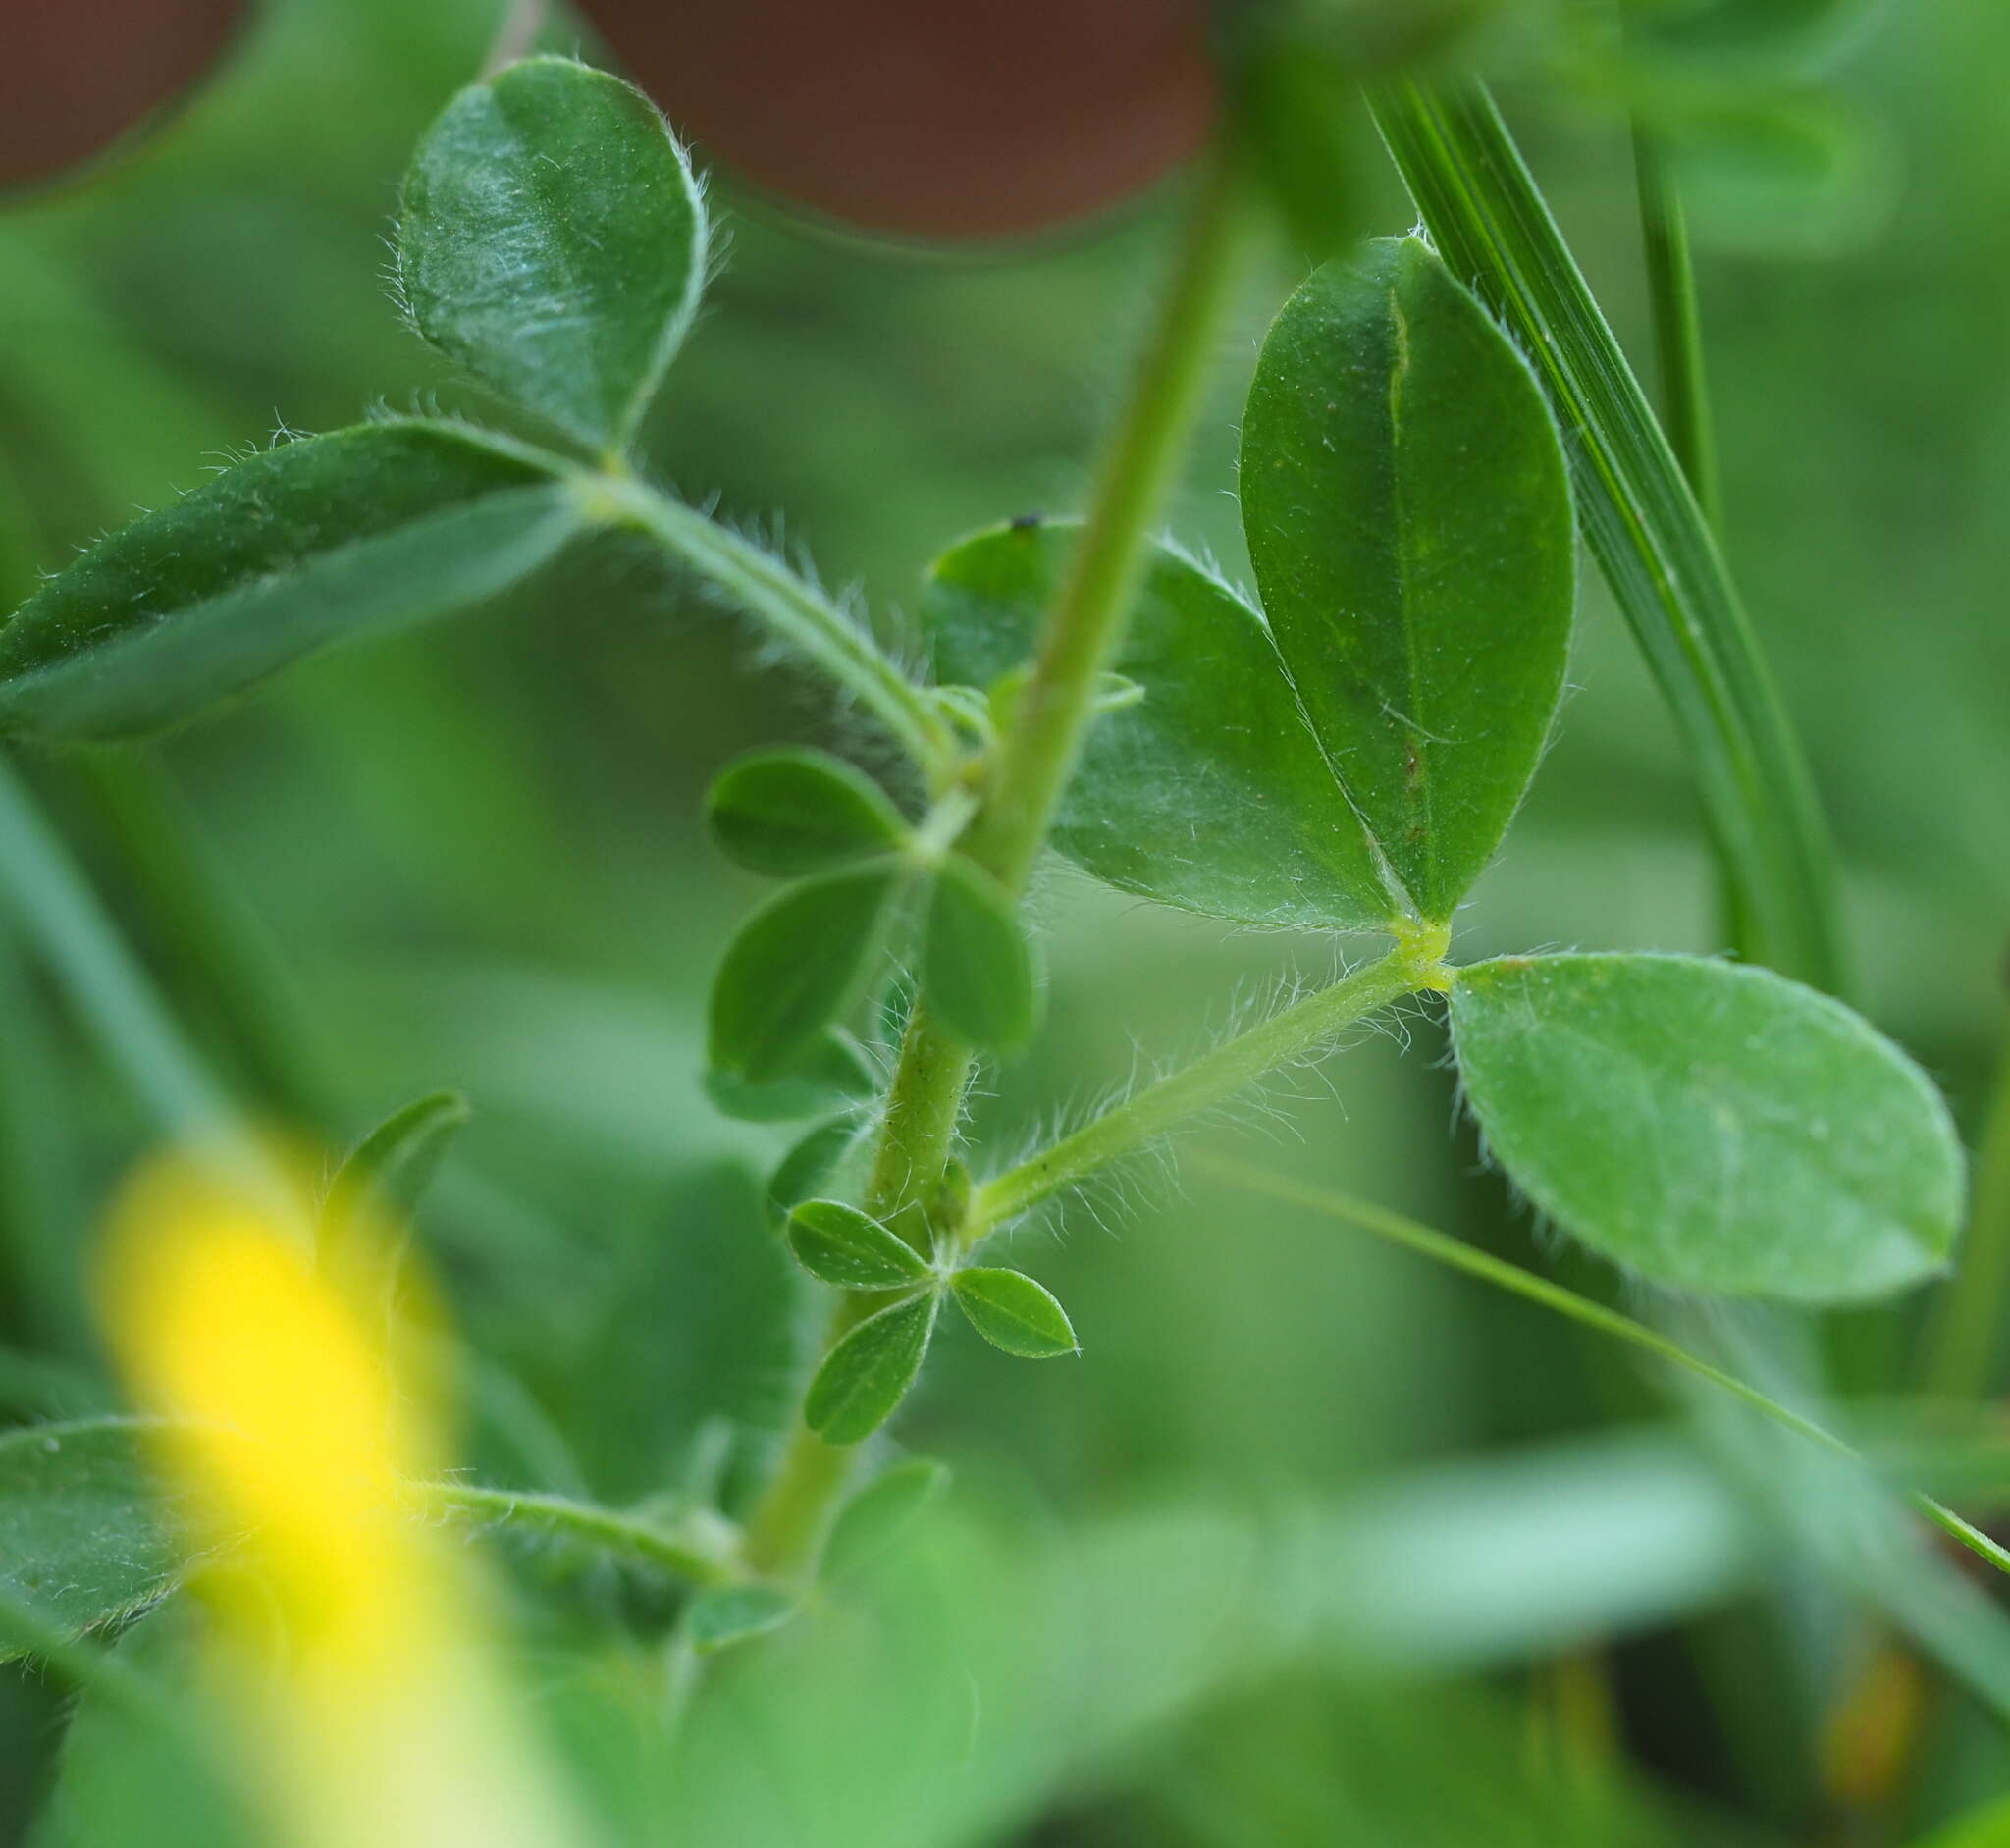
pixel 1311 1545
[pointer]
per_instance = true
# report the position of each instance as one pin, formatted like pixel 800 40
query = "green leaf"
pixel 1013 1312
pixel 736 1614
pixel 552 242
pixel 389 1170
pixel 1215 751
pixel 805 1170
pixel 1641 519
pixel 866 1375
pixel 977 959
pixel 1710 1124
pixel 1408 517
pixel 881 1513
pixel 835 1072
pixel 840 1245
pixel 316 541
pixel 800 962
pixel 788 813
pixel 82 1539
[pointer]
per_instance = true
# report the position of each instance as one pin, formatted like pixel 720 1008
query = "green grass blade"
pixel 57 911
pixel 1456 1254
pixel 1491 225
pixel 1677 326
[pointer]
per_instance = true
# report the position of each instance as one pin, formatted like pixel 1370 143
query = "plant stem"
pixel 1081 631
pixel 1441 1249
pixel 515 34
pixel 1641 516
pixel 788 1522
pixel 1038 753
pixel 1677 327
pixel 1306 1026
pixel 701 1553
pixel 919 1133
pixel 916 1142
pixel 1964 1361
pixel 793 611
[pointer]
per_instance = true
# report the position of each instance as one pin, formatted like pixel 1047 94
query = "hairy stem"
pixel 1081 631
pixel 1491 224
pixel 1304 1027
pixel 916 1142
pixel 699 1551
pixel 1037 755
pixel 794 611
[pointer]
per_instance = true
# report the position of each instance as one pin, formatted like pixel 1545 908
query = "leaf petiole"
pixel 793 611
pixel 1307 1026
pixel 703 1549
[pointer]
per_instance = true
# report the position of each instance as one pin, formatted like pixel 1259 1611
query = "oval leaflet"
pixel 1711 1126
pixel 552 241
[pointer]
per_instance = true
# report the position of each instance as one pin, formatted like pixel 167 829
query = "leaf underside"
pixel 799 964
pixel 795 812
pixel 317 540
pixel 83 1538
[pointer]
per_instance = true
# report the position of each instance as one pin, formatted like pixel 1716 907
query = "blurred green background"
pixel 471 857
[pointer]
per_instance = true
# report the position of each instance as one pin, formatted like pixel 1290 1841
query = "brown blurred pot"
pixel 935 119
pixel 77 74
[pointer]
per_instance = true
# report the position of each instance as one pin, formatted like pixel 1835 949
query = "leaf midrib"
pixel 1413 722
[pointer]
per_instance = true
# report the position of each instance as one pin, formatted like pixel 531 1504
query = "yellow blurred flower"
pixel 350 1638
